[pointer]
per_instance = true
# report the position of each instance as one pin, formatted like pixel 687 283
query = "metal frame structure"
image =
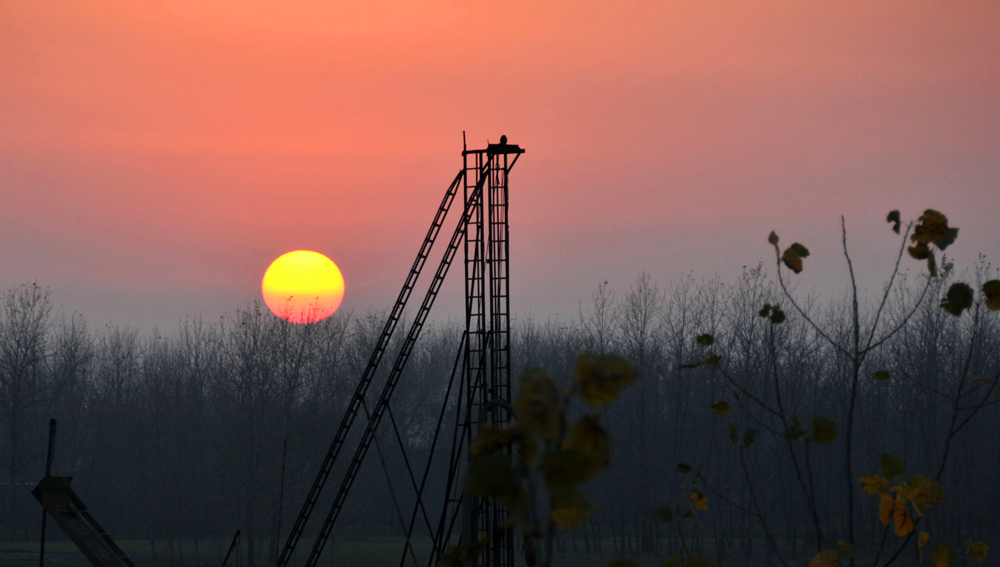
pixel 482 363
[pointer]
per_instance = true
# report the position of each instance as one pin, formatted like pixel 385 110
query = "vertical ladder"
pixel 475 326
pixel 487 367
pixel 500 551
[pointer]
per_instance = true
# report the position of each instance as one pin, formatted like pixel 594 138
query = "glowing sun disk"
pixel 303 287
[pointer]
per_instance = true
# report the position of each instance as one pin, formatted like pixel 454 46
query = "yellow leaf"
pixel 933 228
pixel 825 558
pixel 919 252
pixel 874 484
pixel 700 502
pixel 941 557
pixel 885 507
pixel 792 259
pixel 991 295
pixel 925 494
pixel 922 539
pixel 902 521
pixel 977 552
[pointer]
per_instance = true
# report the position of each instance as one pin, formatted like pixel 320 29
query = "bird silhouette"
pixel 503 140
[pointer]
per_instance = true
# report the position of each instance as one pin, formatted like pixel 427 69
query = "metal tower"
pixel 487 327
pixel 482 365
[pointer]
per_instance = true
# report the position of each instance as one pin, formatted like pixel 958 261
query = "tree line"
pixel 191 434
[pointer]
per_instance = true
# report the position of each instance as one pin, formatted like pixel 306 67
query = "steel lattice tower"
pixel 482 366
pixel 487 319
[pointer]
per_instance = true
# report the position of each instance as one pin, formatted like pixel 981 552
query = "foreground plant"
pixel 536 466
pixel 903 501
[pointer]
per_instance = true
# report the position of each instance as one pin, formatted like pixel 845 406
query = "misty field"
pixel 729 444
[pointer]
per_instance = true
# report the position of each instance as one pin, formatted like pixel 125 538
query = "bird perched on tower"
pixel 503 140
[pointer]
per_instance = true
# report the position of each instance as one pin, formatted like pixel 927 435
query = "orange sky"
pixel 156 156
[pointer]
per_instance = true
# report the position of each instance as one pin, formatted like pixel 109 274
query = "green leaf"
pixel 602 377
pixel 491 475
pixel 749 436
pixel 664 513
pixel 570 509
pixel 772 238
pixel 824 430
pixel 721 407
pixel 683 468
pixel 891 466
pixel 537 405
pixel 566 468
pixel 795 430
pixel 777 315
pixel 958 299
pixel 705 340
pixel 881 375
pixel 893 217
pixel 591 437
pixel 991 295
pixel 799 249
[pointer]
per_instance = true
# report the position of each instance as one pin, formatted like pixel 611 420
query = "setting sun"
pixel 303 287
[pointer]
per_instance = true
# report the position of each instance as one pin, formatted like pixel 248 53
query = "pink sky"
pixel 156 156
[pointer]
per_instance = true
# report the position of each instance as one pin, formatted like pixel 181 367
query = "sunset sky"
pixel 156 156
